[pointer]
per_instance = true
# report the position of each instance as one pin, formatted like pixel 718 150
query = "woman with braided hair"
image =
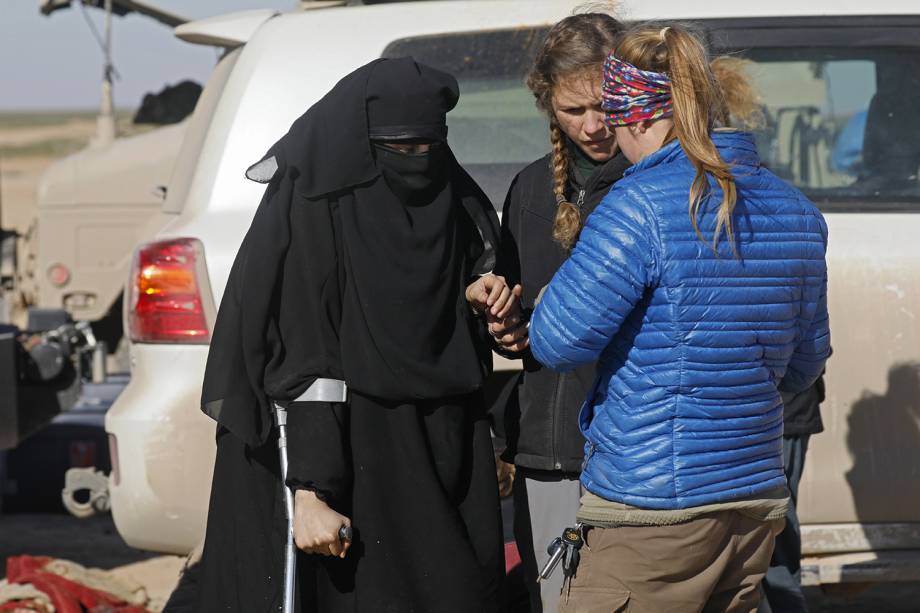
pixel 699 288
pixel 543 212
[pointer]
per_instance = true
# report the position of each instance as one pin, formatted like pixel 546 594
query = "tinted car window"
pixel 495 130
pixel 839 98
pixel 838 94
pixel 838 121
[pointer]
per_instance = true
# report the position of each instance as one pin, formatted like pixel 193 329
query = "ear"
pixel 637 129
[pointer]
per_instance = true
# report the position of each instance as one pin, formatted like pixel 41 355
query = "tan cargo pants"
pixel 713 563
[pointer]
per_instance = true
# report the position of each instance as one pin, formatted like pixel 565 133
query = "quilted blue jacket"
pixel 693 347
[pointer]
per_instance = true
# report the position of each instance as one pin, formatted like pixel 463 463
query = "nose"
pixel 595 128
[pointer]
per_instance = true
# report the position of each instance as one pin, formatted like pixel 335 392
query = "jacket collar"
pixel 608 174
pixel 736 147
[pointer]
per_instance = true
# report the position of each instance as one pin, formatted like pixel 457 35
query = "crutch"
pixel 322 390
pixel 290 554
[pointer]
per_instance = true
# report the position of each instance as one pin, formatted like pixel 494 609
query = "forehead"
pixel 579 90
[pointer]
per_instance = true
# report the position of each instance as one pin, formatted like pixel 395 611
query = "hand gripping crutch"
pixel 322 390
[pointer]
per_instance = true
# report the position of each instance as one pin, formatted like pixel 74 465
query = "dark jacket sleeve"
pixel 318 450
pixel 318 439
pixel 508 264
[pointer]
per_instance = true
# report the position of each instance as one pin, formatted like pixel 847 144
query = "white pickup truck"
pixel 839 83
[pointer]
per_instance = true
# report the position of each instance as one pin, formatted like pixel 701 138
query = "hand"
pixel 316 526
pixel 491 294
pixel 511 333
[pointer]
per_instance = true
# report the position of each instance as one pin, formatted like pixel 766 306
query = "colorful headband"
pixel 631 95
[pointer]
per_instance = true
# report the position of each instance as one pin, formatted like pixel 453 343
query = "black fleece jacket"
pixel 540 417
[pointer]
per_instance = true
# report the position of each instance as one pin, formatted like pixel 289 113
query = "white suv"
pixel 837 87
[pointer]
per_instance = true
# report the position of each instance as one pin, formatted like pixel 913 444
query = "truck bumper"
pixel 163 450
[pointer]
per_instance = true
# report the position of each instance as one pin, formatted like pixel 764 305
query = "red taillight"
pixel 169 293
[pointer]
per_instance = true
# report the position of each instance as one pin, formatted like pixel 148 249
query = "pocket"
pixel 594 600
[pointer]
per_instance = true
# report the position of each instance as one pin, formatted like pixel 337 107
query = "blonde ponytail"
pixel 697 103
pixel 741 106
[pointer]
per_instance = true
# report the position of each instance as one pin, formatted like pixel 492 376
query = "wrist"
pixel 309 498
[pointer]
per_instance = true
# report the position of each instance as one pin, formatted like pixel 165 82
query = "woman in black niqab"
pixel 354 268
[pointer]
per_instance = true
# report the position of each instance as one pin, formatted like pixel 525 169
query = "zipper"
pixel 557 394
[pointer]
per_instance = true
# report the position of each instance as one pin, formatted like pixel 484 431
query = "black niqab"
pixel 343 276
pixel 414 178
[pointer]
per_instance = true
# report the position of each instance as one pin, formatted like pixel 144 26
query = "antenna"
pixel 106 130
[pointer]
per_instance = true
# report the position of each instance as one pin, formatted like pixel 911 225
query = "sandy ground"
pixel 68 129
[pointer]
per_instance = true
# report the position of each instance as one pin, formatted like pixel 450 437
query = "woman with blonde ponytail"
pixel 543 214
pixel 698 285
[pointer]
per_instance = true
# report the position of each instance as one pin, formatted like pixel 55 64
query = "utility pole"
pixel 105 122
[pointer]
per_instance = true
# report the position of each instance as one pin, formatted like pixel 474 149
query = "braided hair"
pixel 575 46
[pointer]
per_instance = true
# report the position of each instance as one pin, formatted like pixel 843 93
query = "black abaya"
pixel 425 511
pixel 408 458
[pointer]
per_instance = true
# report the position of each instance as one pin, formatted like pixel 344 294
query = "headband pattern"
pixel 631 95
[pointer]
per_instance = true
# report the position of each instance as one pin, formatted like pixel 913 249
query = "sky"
pixel 53 62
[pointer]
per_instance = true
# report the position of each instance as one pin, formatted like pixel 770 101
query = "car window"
pixel 839 122
pixel 839 99
pixel 496 129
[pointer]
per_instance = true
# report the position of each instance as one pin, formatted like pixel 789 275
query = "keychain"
pixel 563 549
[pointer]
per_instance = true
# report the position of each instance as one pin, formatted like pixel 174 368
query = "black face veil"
pixel 356 261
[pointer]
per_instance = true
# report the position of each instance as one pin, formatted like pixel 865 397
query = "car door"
pixel 842 122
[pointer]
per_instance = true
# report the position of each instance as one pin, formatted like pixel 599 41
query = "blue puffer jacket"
pixel 692 347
